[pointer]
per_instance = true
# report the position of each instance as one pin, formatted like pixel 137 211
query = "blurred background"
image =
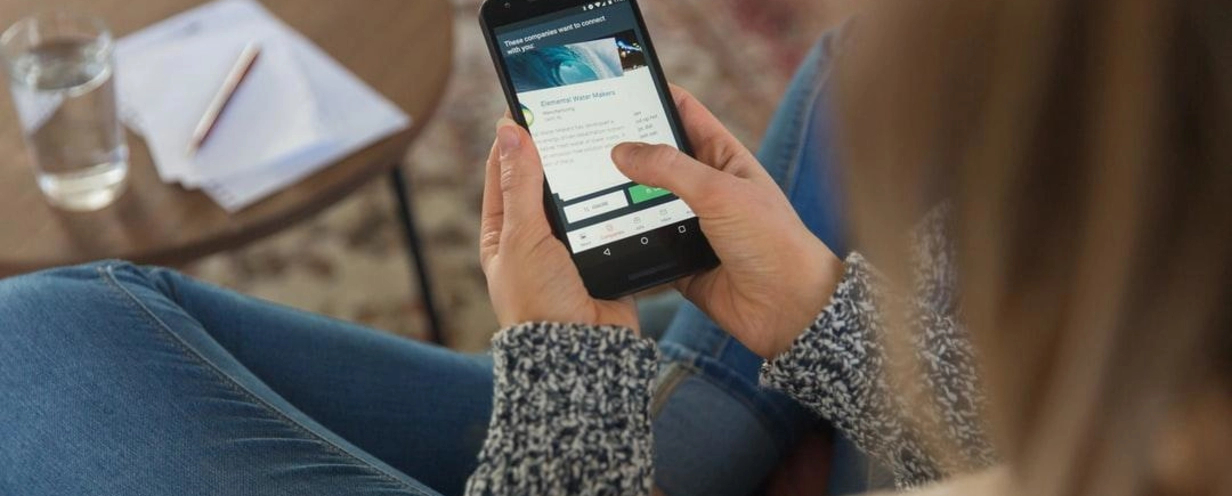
pixel 736 56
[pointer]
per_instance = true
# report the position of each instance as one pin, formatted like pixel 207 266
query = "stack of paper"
pixel 297 110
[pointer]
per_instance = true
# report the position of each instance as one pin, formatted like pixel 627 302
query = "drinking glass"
pixel 60 73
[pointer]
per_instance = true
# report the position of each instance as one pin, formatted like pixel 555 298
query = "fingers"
pixel 712 142
pixel 520 180
pixel 492 214
pixel 663 166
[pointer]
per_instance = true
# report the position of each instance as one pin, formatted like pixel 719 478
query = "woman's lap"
pixel 422 409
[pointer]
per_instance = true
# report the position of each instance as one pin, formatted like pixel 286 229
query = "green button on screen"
pixel 640 193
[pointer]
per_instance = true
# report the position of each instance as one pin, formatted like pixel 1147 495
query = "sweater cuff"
pixel 571 412
pixel 842 329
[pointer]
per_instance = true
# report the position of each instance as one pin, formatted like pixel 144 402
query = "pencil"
pixel 239 72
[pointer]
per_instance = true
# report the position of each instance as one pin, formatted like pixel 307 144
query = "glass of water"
pixel 60 73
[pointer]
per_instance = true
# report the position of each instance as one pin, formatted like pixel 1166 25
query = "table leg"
pixel 406 215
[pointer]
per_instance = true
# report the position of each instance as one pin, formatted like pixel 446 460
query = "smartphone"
pixel 582 77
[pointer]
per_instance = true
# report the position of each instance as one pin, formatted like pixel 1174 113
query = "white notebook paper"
pixel 298 110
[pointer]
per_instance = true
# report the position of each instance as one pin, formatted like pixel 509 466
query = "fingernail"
pixel 507 137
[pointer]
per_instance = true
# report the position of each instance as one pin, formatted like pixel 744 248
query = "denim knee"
pixel 67 273
pixel 50 283
pixel 39 299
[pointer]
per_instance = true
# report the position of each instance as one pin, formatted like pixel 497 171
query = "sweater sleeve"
pixel 571 413
pixel 839 368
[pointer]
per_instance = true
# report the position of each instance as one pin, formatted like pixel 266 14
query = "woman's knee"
pixel 76 318
pixel 46 299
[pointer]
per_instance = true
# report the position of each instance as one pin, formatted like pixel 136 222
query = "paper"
pixel 271 115
pixel 298 111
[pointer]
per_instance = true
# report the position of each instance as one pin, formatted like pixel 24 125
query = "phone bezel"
pixel 679 249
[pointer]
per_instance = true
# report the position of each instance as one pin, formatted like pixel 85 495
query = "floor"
pixel 348 262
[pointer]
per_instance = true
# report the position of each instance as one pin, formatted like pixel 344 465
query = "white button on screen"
pixel 596 206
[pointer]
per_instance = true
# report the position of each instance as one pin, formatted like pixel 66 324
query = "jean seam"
pixel 819 79
pixel 106 273
pixel 675 375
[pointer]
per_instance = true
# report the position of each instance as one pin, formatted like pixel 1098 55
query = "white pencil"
pixel 238 73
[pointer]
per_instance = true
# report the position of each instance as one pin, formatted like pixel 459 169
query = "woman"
pixel 1079 153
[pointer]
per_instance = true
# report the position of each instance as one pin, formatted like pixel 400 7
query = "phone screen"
pixel 583 81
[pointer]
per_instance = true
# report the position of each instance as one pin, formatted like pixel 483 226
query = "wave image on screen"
pixel 563 65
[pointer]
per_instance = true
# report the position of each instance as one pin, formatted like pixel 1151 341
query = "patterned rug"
pixel 737 56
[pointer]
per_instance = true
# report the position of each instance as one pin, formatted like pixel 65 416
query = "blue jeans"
pixel 117 379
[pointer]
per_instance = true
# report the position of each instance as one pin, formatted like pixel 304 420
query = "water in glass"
pixel 66 100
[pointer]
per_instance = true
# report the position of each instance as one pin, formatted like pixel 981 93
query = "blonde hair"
pixel 1086 150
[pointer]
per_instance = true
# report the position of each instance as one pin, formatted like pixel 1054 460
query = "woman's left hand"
pixel 531 276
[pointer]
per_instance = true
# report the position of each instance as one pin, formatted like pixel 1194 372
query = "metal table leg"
pixel 406 216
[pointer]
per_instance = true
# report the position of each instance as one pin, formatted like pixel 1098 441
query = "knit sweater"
pixel 572 402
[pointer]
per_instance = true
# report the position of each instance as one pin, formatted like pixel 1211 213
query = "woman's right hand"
pixel 775 276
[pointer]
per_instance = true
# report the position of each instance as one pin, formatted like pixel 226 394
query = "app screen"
pixel 584 85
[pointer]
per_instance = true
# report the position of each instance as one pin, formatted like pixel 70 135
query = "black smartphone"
pixel 582 76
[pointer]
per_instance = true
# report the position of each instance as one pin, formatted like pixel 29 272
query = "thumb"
pixel 664 166
pixel 521 177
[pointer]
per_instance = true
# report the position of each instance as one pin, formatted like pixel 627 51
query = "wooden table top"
pixel 403 48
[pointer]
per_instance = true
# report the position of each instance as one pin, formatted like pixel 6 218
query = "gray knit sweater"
pixel 571 412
